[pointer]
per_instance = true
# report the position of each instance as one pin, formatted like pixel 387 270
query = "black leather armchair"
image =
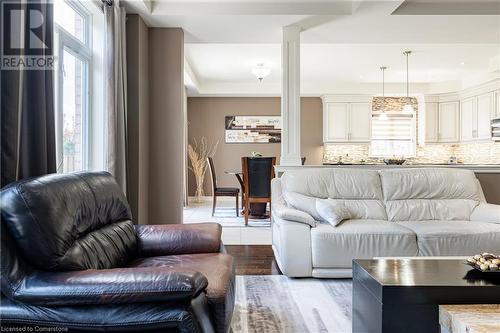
pixel 71 257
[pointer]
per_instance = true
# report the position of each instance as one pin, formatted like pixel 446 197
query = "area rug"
pixel 275 303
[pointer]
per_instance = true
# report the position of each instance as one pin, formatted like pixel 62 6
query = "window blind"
pixel 393 136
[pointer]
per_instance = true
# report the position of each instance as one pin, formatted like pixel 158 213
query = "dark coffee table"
pixel 403 295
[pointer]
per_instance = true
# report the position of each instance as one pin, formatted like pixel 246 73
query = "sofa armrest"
pixel 169 239
pixel 292 247
pixel 486 212
pixel 110 286
pixel 291 214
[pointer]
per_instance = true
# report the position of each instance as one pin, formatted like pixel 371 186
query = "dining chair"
pixel 221 191
pixel 257 175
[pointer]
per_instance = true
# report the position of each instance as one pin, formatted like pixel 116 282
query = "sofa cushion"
pixel 429 183
pixel 336 247
pixel 334 183
pixel 426 210
pixel 455 238
pixel 332 212
pixel 429 194
pixel 69 221
pixel 359 191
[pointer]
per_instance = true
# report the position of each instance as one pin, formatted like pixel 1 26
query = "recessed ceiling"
pixel 334 65
pixel 341 49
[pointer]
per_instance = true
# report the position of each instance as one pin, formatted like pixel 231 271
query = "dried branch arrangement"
pixel 198 153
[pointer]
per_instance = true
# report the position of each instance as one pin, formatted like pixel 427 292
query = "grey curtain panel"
pixel 27 107
pixel 115 94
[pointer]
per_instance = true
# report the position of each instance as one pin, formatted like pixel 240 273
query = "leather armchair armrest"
pixel 169 239
pixel 110 286
pixel 486 212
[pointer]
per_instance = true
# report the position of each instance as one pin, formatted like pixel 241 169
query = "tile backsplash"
pixel 466 153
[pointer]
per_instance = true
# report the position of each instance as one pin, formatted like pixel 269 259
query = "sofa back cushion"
pixel 429 194
pixel 69 221
pixel 334 183
pixel 357 190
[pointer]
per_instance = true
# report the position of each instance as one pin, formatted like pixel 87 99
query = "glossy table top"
pixel 424 272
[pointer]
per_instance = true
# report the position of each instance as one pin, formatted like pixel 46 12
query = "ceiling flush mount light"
pixel 383 115
pixel 261 72
pixel 407 108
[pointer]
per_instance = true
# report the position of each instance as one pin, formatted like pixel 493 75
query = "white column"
pixel 290 96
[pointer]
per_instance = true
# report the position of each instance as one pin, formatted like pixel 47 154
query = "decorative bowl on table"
pixel 394 161
pixel 486 262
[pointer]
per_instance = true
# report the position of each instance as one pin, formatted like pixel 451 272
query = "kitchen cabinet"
pixel 475 117
pixel 346 122
pixel 485 112
pixel 448 122
pixel 468 119
pixel 431 122
pixel 496 114
pixel 360 117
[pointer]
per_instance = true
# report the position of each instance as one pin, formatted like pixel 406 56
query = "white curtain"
pixel 116 91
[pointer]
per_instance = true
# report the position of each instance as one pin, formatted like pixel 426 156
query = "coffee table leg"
pixel 366 310
pixel 369 315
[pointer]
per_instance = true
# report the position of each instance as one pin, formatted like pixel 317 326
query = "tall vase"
pixel 199 191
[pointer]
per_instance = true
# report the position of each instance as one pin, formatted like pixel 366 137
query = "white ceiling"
pixel 342 48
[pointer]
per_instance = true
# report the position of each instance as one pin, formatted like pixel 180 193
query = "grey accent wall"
pixel 206 119
pixel 166 130
pixel 138 117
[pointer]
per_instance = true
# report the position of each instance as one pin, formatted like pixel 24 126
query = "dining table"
pixel 257 210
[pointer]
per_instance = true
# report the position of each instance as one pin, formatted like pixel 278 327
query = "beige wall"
pixel 489 183
pixel 138 117
pixel 206 119
pixel 166 131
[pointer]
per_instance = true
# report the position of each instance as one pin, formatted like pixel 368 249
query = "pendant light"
pixel 383 115
pixel 408 108
pixel 261 72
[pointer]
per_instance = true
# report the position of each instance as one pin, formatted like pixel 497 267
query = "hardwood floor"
pixel 253 259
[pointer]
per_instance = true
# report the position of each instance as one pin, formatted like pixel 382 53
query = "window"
pixel 79 54
pixel 394 136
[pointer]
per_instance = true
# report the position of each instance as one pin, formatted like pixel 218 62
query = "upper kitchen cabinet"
pixel 485 112
pixel 431 122
pixel 346 121
pixel 442 122
pixel 475 117
pixel 496 114
pixel 360 122
pixel 468 119
pixel 335 122
pixel 448 122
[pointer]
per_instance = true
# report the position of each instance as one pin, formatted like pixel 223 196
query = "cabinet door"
pixel 485 112
pixel 360 119
pixel 497 108
pixel 449 122
pixel 468 119
pixel 336 122
pixel 431 122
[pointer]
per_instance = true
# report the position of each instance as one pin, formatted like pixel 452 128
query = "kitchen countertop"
pixel 477 168
pixel 470 318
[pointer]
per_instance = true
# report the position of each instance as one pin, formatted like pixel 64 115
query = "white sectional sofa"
pixel 394 212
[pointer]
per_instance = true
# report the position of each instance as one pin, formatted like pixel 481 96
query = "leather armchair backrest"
pixel 69 221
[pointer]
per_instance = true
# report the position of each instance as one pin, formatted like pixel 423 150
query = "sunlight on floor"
pixel 234 231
